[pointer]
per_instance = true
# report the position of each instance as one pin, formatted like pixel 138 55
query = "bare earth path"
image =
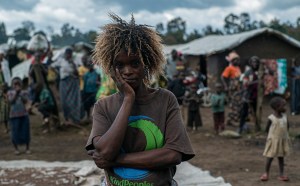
pixel 238 161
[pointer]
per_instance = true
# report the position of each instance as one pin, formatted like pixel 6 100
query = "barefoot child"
pixel 18 116
pixel 278 143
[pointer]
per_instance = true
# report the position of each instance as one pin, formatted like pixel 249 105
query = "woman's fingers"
pixel 119 80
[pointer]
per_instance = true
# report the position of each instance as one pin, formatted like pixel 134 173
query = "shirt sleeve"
pixel 176 137
pixel 227 72
pixel 100 125
pixel 213 100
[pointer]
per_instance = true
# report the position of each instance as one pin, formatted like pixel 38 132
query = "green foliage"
pixel 176 28
pixel 193 35
pixel 24 32
pixel 174 32
pixel 21 34
pixel 3 36
pixel 70 35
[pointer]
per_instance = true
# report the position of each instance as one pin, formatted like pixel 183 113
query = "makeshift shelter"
pixel 209 52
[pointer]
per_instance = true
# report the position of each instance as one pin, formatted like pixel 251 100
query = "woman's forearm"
pixel 152 159
pixel 110 143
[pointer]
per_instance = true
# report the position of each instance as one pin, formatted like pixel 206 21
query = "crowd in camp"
pixel 72 87
pixel 76 86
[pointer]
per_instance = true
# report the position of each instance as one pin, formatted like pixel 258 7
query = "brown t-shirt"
pixel 155 122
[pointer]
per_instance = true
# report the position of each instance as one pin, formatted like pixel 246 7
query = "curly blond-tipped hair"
pixel 135 39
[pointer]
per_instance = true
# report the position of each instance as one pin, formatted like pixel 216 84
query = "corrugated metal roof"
pixel 218 43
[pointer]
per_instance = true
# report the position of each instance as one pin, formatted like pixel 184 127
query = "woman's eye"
pixel 135 64
pixel 119 65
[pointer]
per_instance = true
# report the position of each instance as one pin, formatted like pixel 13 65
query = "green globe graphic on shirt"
pixel 154 140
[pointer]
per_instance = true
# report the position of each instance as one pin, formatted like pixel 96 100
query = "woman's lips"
pixel 130 80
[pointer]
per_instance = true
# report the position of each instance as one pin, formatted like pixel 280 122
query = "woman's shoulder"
pixel 108 99
pixel 271 117
pixel 164 93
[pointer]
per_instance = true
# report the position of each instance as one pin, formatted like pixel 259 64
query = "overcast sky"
pixel 91 14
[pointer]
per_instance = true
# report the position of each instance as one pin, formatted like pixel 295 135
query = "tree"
pixel 66 30
pixel 275 24
pixel 50 30
pixel 231 24
pixel 193 35
pixel 235 24
pixel 90 36
pixel 78 35
pixel 262 24
pixel 298 22
pixel 21 34
pixel 66 37
pixel 3 36
pixel 245 23
pixel 209 30
pixel 29 26
pixel 25 32
pixel 175 31
pixel 160 28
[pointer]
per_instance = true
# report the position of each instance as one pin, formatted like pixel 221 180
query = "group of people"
pixel 186 91
pixel 241 90
pixel 138 134
pixel 242 93
pixel 77 86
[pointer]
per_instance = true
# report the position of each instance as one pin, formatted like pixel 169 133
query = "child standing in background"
pixel 46 107
pixel 278 142
pixel 4 106
pixel 217 105
pixel 91 83
pixel 18 116
pixel 194 101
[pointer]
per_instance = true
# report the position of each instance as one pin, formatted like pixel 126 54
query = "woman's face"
pixel 68 55
pixel 236 62
pixel 130 67
pixel 16 85
pixel 281 108
pixel 254 64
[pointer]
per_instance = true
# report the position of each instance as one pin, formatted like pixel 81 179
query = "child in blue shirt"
pixel 218 108
pixel 91 84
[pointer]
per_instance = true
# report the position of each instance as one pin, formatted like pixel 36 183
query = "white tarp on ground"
pixel 88 174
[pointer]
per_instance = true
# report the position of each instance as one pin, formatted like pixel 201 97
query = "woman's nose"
pixel 127 70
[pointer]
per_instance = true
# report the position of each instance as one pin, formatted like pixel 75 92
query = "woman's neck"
pixel 143 91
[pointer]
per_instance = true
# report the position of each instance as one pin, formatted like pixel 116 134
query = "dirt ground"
pixel 238 161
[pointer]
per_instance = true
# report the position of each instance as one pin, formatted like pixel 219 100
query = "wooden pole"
pixel 260 96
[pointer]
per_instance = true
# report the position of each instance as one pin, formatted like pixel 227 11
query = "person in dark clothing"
pixel 250 85
pixel 178 88
pixel 295 88
pixel 90 87
pixel 194 101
